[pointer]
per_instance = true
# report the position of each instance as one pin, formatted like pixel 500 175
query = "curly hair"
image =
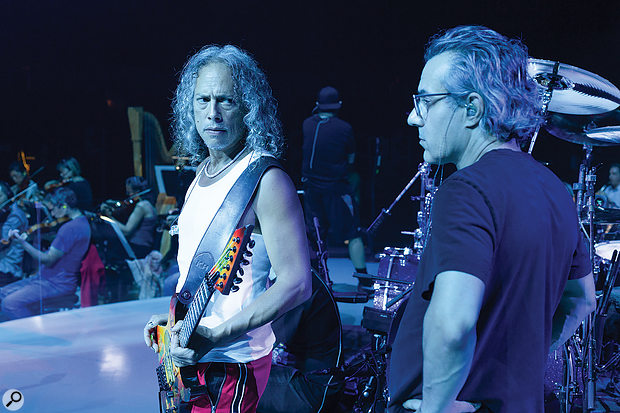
pixel 495 67
pixel 262 125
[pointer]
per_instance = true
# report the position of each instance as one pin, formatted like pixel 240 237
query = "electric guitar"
pixel 178 384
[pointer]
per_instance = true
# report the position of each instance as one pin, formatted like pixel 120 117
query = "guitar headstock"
pixel 223 275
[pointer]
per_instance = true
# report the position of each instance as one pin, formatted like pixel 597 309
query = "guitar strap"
pixel 223 225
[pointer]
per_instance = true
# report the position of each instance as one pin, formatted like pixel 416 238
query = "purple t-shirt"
pixel 72 239
pixel 510 222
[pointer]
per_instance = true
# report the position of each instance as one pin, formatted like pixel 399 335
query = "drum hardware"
pixel 365 373
pixel 423 170
pixel 376 277
pixel 322 254
pixel 551 81
pixel 577 91
pixel 606 215
pixel 585 203
pixel 596 130
pixel 343 293
pixel 567 90
pixel 581 107
pixel 582 353
pixel 562 375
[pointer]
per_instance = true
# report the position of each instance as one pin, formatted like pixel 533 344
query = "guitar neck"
pixel 221 277
pixel 194 313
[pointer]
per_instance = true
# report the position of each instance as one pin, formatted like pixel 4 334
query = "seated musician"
pixel 142 222
pixel 61 262
pixel 70 176
pixel 22 182
pixel 11 251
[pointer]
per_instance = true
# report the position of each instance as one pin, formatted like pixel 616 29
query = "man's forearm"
pixel 577 301
pixel 565 322
pixel 269 305
pixel 35 253
pixel 446 367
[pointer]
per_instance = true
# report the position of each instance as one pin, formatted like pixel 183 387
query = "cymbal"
pixel 575 91
pixel 595 130
pixel 606 215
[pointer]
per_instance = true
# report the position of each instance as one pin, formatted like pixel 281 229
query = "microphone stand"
pixel 423 168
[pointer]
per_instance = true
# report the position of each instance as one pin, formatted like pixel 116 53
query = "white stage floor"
pixel 94 360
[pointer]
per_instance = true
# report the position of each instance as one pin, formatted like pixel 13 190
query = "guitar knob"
pixel 251 244
pixel 234 288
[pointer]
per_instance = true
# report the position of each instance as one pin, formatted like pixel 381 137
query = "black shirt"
pixel 328 142
pixel 84 194
pixel 510 222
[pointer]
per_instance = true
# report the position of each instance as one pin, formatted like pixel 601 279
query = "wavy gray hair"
pixel 262 125
pixel 495 67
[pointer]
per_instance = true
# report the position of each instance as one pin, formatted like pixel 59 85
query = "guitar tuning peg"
pixel 251 244
pixel 240 271
pixel 237 280
pixel 234 248
pixel 248 254
pixel 245 262
pixel 227 267
pixel 230 258
pixel 234 288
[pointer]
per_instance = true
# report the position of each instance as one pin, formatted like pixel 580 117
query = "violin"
pixel 43 226
pixel 52 185
pixel 118 209
pixel 47 225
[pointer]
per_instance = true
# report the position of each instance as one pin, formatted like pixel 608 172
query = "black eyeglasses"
pixel 421 105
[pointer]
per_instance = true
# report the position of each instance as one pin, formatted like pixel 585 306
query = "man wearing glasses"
pixel 505 275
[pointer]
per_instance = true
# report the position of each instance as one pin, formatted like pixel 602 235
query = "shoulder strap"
pixel 223 225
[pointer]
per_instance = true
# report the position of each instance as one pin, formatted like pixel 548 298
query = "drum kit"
pixel 579 107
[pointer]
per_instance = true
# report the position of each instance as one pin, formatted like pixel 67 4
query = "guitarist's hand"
pixel 183 356
pixel 150 330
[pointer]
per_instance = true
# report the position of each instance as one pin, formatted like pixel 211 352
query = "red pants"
pixel 232 387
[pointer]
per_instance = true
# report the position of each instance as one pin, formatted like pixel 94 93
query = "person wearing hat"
pixel 328 155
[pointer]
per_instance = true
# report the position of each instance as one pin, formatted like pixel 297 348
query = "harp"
pixel 148 143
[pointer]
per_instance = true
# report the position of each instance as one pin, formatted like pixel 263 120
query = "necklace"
pixel 209 175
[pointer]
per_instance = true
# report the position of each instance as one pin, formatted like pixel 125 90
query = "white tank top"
pixel 201 204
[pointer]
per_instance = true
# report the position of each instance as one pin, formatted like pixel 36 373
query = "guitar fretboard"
pixel 194 313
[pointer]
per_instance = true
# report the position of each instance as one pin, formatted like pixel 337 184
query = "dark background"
pixel 70 69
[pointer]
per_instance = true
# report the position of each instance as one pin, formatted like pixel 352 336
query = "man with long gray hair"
pixel 505 275
pixel 224 108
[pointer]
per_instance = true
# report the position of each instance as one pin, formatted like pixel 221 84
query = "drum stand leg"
pixel 373 396
pixel 589 392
